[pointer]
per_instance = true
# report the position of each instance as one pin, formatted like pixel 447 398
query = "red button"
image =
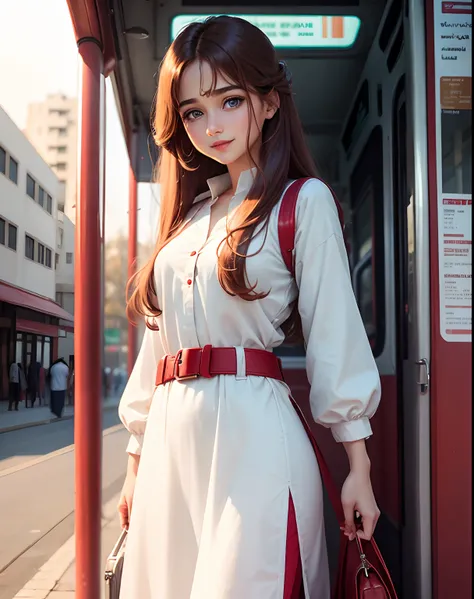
pixel 189 282
pixel 193 253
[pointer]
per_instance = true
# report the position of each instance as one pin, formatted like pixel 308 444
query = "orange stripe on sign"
pixel 338 27
pixel 325 27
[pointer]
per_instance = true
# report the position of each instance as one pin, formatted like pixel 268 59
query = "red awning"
pixel 26 299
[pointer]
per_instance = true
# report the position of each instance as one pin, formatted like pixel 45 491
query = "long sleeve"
pixel 136 399
pixel 345 383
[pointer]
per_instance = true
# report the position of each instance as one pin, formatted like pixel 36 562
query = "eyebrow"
pixel 216 92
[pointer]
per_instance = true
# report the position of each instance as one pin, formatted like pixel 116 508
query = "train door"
pixel 385 163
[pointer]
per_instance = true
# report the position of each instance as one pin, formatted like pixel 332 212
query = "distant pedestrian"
pixel 14 391
pixel 59 381
pixel 23 382
pixel 33 383
pixel 41 383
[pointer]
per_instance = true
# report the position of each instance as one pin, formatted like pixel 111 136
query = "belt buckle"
pixel 176 364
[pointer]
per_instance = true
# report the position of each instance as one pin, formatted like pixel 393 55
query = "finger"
pixel 368 527
pixel 123 514
pixel 349 517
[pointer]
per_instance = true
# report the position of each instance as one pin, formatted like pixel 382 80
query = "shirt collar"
pixel 221 183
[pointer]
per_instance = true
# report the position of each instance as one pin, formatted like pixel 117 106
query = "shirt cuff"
pixel 352 430
pixel 135 444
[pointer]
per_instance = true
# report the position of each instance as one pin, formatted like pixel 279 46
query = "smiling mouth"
pixel 221 145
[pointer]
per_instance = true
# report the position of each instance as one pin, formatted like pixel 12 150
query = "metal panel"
pixel 417 530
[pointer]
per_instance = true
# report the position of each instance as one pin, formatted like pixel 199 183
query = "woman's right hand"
pixel 124 506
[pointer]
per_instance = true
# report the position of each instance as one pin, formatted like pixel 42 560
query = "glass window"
pixel 41 249
pixel 41 196
pixel 3 161
pixel 3 226
pixel 47 352
pixel 30 186
pixel 68 257
pixel 49 204
pixel 12 235
pixel 48 258
pixel 56 261
pixel 367 239
pixel 19 349
pixel 60 237
pixel 61 166
pixel 62 149
pixel 39 349
pixel 13 172
pixel 29 247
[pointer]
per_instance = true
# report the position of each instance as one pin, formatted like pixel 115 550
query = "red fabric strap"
pixel 286 236
pixel 208 361
pixel 287 220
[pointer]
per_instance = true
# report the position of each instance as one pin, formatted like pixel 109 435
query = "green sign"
pixel 112 336
pixel 293 31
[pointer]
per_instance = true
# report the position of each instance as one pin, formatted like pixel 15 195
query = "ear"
pixel 272 104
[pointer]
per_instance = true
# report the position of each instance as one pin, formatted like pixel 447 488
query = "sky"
pixel 38 56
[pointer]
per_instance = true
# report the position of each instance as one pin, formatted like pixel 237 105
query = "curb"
pixel 17 427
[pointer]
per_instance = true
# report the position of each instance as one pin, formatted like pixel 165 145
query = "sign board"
pixel 292 31
pixel 453 75
pixel 112 336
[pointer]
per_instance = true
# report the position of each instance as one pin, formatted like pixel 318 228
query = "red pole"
pixel 88 341
pixel 132 256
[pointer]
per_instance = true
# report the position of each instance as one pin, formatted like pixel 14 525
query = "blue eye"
pixel 234 102
pixel 192 115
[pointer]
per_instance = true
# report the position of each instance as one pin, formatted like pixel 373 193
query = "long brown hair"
pixel 245 56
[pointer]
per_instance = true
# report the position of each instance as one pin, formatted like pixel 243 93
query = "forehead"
pixel 198 79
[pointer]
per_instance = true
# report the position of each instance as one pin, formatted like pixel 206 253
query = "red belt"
pixel 208 361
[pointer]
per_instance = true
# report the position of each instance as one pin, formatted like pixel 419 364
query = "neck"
pixel 244 163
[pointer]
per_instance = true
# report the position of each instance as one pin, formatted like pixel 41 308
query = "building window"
pixel 56 261
pixel 60 237
pixel 41 196
pixel 62 132
pixel 48 258
pixel 29 247
pixel 68 257
pixel 13 174
pixel 49 203
pixel 60 166
pixel 12 235
pixel 61 149
pixel 41 249
pixel 3 161
pixel 30 186
pixel 3 226
pixel 59 298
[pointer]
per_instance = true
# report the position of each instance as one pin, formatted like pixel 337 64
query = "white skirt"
pixel 219 460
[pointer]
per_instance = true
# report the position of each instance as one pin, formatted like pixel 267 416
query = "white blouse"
pixel 345 384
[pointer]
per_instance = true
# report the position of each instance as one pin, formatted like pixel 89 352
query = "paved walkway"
pixel 26 417
pixel 57 578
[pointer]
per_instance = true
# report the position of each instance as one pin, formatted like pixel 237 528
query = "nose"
pixel 213 128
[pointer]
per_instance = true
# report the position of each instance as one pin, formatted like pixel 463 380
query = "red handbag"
pixel 362 572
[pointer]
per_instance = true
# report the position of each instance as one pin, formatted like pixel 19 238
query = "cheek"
pixel 197 133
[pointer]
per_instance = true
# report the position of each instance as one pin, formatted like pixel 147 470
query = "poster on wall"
pixel 453 75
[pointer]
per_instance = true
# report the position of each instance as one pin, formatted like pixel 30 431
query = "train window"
pixel 367 239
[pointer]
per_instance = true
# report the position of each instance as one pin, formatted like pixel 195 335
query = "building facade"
pixel 52 128
pixel 65 280
pixel 30 318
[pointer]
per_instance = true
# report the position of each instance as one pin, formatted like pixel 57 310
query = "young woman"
pixel 227 498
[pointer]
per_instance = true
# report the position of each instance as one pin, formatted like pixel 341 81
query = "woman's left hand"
pixel 357 495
